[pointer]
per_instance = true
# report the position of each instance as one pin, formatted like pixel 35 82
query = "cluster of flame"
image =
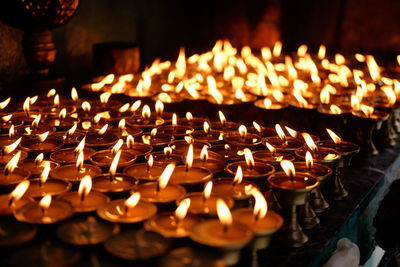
pixel 226 75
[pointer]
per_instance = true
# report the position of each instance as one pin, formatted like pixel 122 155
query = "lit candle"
pixel 15 199
pixel 11 174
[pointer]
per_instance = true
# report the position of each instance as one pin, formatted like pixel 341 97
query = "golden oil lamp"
pixel 242 138
pixel 40 144
pixel 9 151
pixel 282 143
pixel 208 135
pixel 223 124
pixel 70 155
pixel 165 157
pixel 209 160
pixel 10 174
pixel 16 199
pixel 146 172
pixel 292 190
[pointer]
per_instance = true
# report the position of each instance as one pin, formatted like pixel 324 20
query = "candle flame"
pixel 79 148
pixel 85 186
pixel 213 91
pixel 4 103
pixel 33 99
pixel 150 161
pixel 74 94
pixel 45 202
pixel 130 141
pixel 224 214
pixel 45 173
pixel 257 127
pixel 174 120
pixel 38 160
pixel 335 109
pixel 309 160
pixel 165 176
pixel 189 157
pixel 321 52
pixel 86 125
pixel 276 51
pixel 267 103
pixel 79 161
pixel 207 190
pixel 51 92
pixel 189 139
pixel 26 105
pixel 114 163
pixel 391 96
pixel 10 148
pixel 56 100
pixel 63 113
pixel 270 147
pixel 86 106
pixel 324 96
pixel 355 103
pixel 153 132
pixel 103 129
pixel 167 151
pixel 132 201
pixel 159 108
pixel 146 113
pixel 280 132
pixel 373 68
pixel 222 118
pixel 302 50
pixel 293 133
pixel 42 137
pixel 7 118
pixel 206 127
pixel 204 153
pixel 124 108
pixel 242 131
pixel 136 105
pixel 36 121
pixel 189 116
pixel 309 141
pixel 117 147
pixel 180 64
pixel 182 209
pixel 288 168
pixel 121 124
pixel 11 131
pixel 238 176
pixel 13 163
pixel 368 110
pixel 334 136
pixel 104 97
pixel 19 190
pixel 249 158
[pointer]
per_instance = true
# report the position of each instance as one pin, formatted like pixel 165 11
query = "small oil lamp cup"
pixel 115 212
pixel 255 175
pixel 116 185
pixel 91 202
pixel 104 158
pixel 159 141
pixel 140 150
pixel 387 130
pixel 86 231
pixel 347 150
pixel 115 117
pixel 263 228
pixel 144 173
pixel 180 256
pixel 5 140
pixel 178 131
pixel 224 127
pixel 37 169
pixel 60 124
pixel 232 154
pixel 134 131
pixel 308 217
pixel 338 191
pixel 125 245
pixel 161 159
pixel 265 131
pixel 70 141
pixel 4 159
pixel 112 104
pixel 22 116
pixel 180 147
pixel 272 158
pixel 289 146
pixel 5 127
pixel 206 207
pixel 366 126
pixel 226 187
pixel 33 213
pixel 69 156
pixel 168 226
pixel 192 179
pixel 53 187
pixel 165 198
pixel 229 243
pixel 333 121
pixel 92 127
pixel 145 124
pixel 40 129
pixel 70 172
pixel 16 233
pixel 213 137
pixel 196 123
pixel 13 178
pixel 34 147
pixel 271 115
pixel 7 209
pixel 234 139
pixel 215 162
pixel 292 194
pixel 97 141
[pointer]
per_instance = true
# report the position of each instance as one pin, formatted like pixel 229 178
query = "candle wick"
pixel 6 172
pixel 309 167
pixel 291 177
pixel 2 152
pixel 10 201
pixel 225 228
pixel 157 188
pixel 186 167
pixel 111 176
pixel 82 197
pixel 148 167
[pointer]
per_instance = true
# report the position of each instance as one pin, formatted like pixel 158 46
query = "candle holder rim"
pixel 282 174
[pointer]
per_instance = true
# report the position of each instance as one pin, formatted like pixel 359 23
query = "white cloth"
pixel 347 254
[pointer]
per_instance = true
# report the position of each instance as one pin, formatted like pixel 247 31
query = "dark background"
pixel 161 27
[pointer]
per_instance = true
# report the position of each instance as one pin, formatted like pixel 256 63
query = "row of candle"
pixel 179 159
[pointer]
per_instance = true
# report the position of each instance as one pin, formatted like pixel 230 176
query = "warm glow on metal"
pixel 224 214
pixel 13 163
pixel 42 137
pixel 288 168
pixel 165 176
pixel 84 187
pixel 309 141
